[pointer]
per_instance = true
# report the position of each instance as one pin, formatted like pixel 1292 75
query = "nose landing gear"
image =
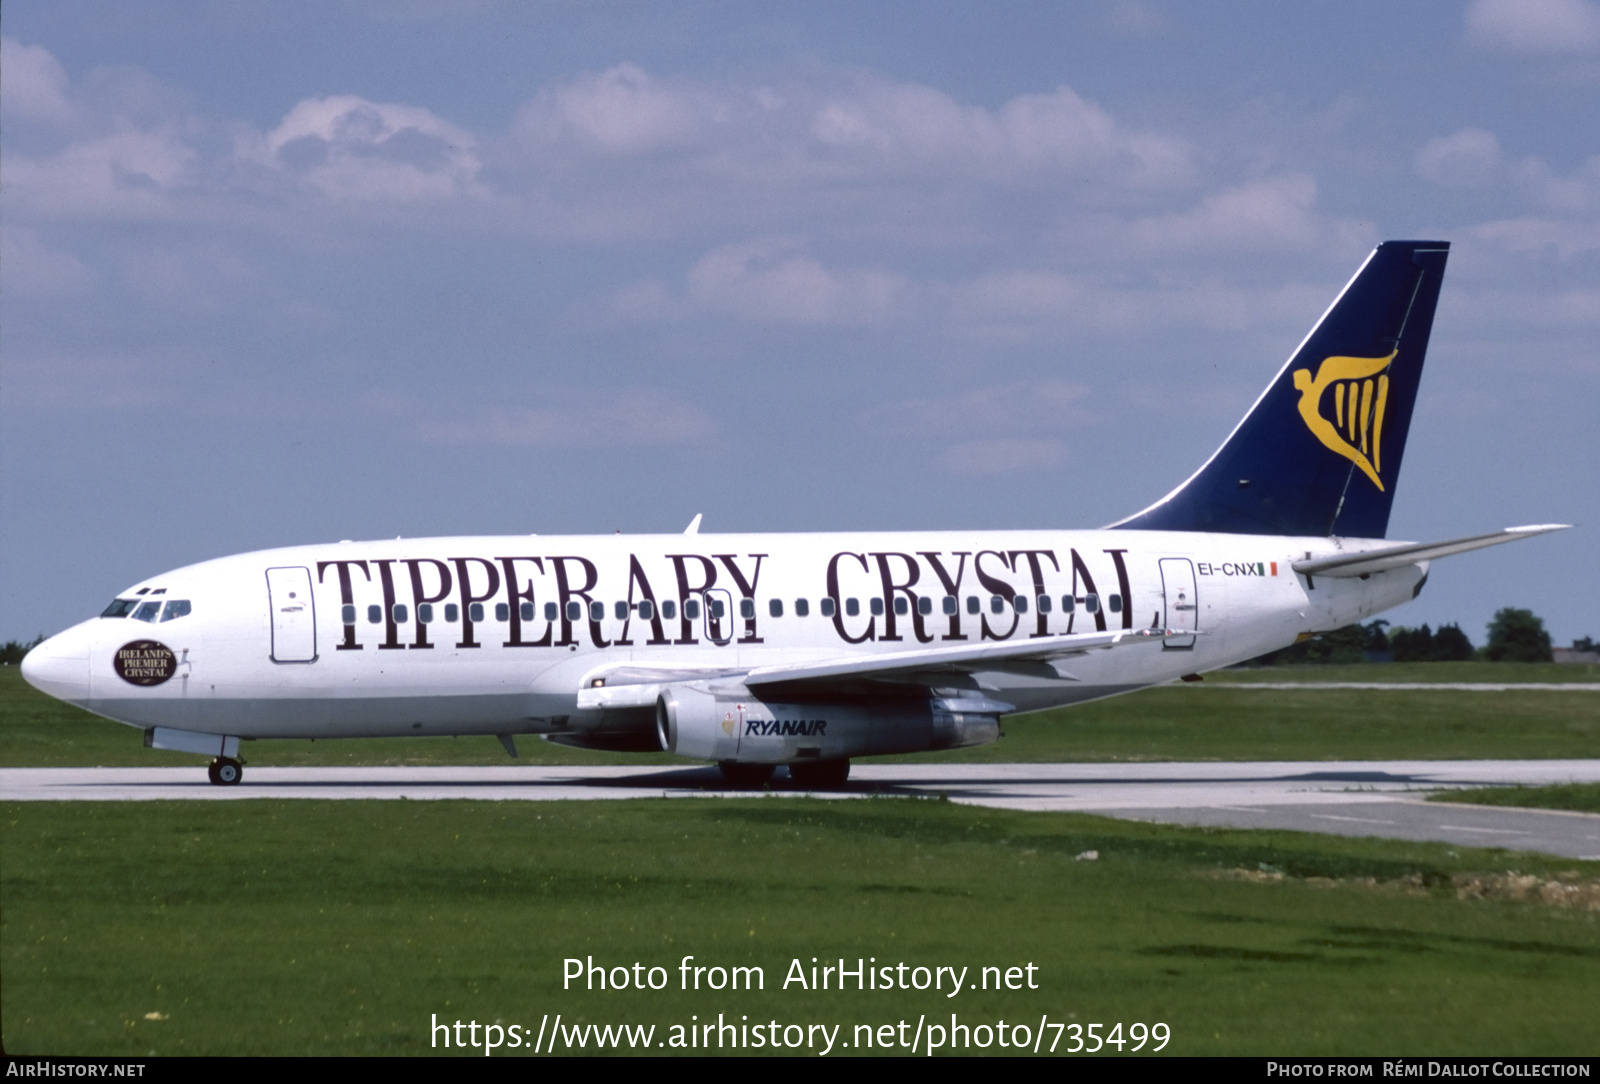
pixel 225 771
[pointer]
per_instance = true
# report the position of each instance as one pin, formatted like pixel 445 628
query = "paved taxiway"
pixel 1363 798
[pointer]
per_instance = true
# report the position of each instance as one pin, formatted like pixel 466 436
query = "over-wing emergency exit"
pixel 800 650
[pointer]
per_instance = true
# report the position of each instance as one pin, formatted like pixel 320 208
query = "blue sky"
pixel 288 272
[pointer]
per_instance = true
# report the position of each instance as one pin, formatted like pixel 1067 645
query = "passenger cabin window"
pixel 1091 604
pixel 1044 604
pixel 452 613
pixel 1068 604
pixel 669 609
pixel 120 607
pixel 973 606
pixel 347 614
pixel 621 610
pixel 400 614
pixel 718 610
pixel 828 607
pixel 901 607
pixel 1114 603
pixel 747 607
pixel 1020 604
pixel 775 607
pixel 691 609
pixel 597 611
pixel 551 612
pixel 647 610
pixel 425 613
pixel 502 612
pixel 924 605
pixel 802 608
pixel 951 604
pixel 147 611
pixel 374 615
pixel 997 605
pixel 574 611
pixel 474 612
pixel 852 607
pixel 877 606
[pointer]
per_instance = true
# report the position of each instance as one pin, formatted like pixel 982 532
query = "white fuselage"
pixel 497 635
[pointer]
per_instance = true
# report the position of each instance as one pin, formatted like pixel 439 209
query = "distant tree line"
pixel 1514 636
pixel 11 654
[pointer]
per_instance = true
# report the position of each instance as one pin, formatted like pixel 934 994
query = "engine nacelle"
pixel 710 726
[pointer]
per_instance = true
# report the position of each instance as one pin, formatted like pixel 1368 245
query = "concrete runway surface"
pixel 1359 798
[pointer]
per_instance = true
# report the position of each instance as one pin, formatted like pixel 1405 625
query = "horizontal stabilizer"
pixel 1364 564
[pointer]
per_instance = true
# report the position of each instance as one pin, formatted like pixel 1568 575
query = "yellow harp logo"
pixel 1360 393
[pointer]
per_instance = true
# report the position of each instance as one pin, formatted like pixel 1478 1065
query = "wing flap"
pixel 961 657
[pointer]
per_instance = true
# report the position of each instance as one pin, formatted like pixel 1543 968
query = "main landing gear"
pixel 745 776
pixel 820 774
pixel 225 771
pixel 811 775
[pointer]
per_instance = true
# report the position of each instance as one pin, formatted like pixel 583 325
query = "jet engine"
pixel 726 727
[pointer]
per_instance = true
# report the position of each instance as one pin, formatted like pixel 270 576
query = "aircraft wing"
pixel 1381 560
pixel 961 657
pixel 638 686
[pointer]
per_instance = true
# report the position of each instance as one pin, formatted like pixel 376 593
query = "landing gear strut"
pixel 820 774
pixel 225 771
pixel 745 776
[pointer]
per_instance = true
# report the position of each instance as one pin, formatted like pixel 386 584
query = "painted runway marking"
pixel 1469 828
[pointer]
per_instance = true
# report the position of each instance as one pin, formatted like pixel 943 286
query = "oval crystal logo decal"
pixel 145 662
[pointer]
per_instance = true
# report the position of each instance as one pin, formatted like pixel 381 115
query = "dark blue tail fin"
pixel 1320 451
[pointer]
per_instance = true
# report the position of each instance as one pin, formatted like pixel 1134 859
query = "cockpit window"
pixel 120 607
pixel 177 607
pixel 148 611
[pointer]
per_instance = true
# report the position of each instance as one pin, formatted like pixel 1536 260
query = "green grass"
pixel 1577 797
pixel 1476 672
pixel 269 927
pixel 1165 723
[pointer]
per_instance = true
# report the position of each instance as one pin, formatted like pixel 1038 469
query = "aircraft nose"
pixel 60 666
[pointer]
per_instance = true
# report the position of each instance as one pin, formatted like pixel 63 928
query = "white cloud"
pixel 1027 407
pixel 350 148
pixel 879 125
pixel 29 266
pixel 64 383
pixel 1135 18
pixel 1535 26
pixel 125 159
pixel 775 280
pixel 1272 213
pixel 127 173
pixel 1521 308
pixel 630 417
pixel 34 86
pixel 1469 158
pixel 1004 455
pixel 1574 193
pixel 621 110
pixel 830 130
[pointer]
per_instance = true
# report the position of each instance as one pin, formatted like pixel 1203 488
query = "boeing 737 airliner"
pixel 802 650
